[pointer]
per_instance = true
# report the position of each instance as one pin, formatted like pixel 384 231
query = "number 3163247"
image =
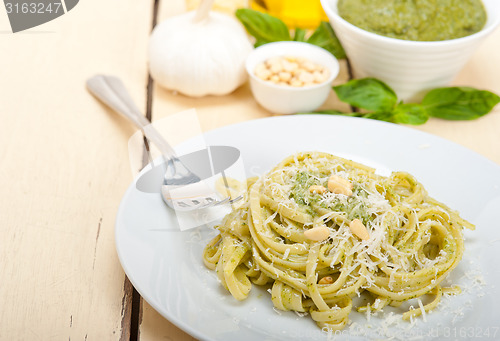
pixel 33 7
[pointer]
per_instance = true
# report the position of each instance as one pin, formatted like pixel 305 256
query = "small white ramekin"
pixel 410 67
pixel 280 99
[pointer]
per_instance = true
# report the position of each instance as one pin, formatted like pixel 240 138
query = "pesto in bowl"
pixel 418 20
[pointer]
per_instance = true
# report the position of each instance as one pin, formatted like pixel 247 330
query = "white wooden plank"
pixel 64 169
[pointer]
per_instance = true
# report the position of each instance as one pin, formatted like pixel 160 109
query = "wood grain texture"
pixel 64 169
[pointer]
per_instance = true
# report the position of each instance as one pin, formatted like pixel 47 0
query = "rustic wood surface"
pixel 64 165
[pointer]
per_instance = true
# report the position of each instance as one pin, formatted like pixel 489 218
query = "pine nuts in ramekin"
pixel 291 71
pixel 287 99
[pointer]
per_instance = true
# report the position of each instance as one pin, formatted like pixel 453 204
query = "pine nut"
pixel 309 66
pixel 263 74
pixel 326 280
pixel 317 189
pixel 274 79
pixel 260 67
pixel 295 72
pixel 318 233
pixel 289 66
pixel 339 185
pixel 306 77
pixel 318 77
pixel 285 76
pixel 276 68
pixel 358 229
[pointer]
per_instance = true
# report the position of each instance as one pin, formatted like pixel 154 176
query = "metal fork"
pixel 112 91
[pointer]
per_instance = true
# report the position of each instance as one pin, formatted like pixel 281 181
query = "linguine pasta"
pixel 321 230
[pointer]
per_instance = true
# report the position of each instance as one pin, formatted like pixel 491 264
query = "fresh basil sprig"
pixel 266 28
pixel 459 103
pixel 324 36
pixel 367 93
pixel 380 102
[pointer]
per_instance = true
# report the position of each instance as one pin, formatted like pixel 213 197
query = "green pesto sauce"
pixel 300 191
pixel 422 20
pixel 353 206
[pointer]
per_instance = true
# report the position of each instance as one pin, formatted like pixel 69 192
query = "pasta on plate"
pixel 320 230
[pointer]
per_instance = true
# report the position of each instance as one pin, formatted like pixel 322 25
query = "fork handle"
pixel 112 92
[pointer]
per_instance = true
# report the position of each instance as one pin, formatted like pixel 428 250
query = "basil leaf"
pixel 325 37
pixel 264 27
pixel 300 34
pixel 386 116
pixel 410 113
pixel 459 103
pixel 367 93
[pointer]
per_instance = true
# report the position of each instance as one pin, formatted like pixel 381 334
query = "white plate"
pixel 165 265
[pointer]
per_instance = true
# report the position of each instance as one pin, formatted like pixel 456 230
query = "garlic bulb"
pixel 199 53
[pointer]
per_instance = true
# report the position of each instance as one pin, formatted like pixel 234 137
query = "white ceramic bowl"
pixel 410 67
pixel 284 99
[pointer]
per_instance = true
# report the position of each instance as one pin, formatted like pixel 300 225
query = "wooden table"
pixel 64 166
